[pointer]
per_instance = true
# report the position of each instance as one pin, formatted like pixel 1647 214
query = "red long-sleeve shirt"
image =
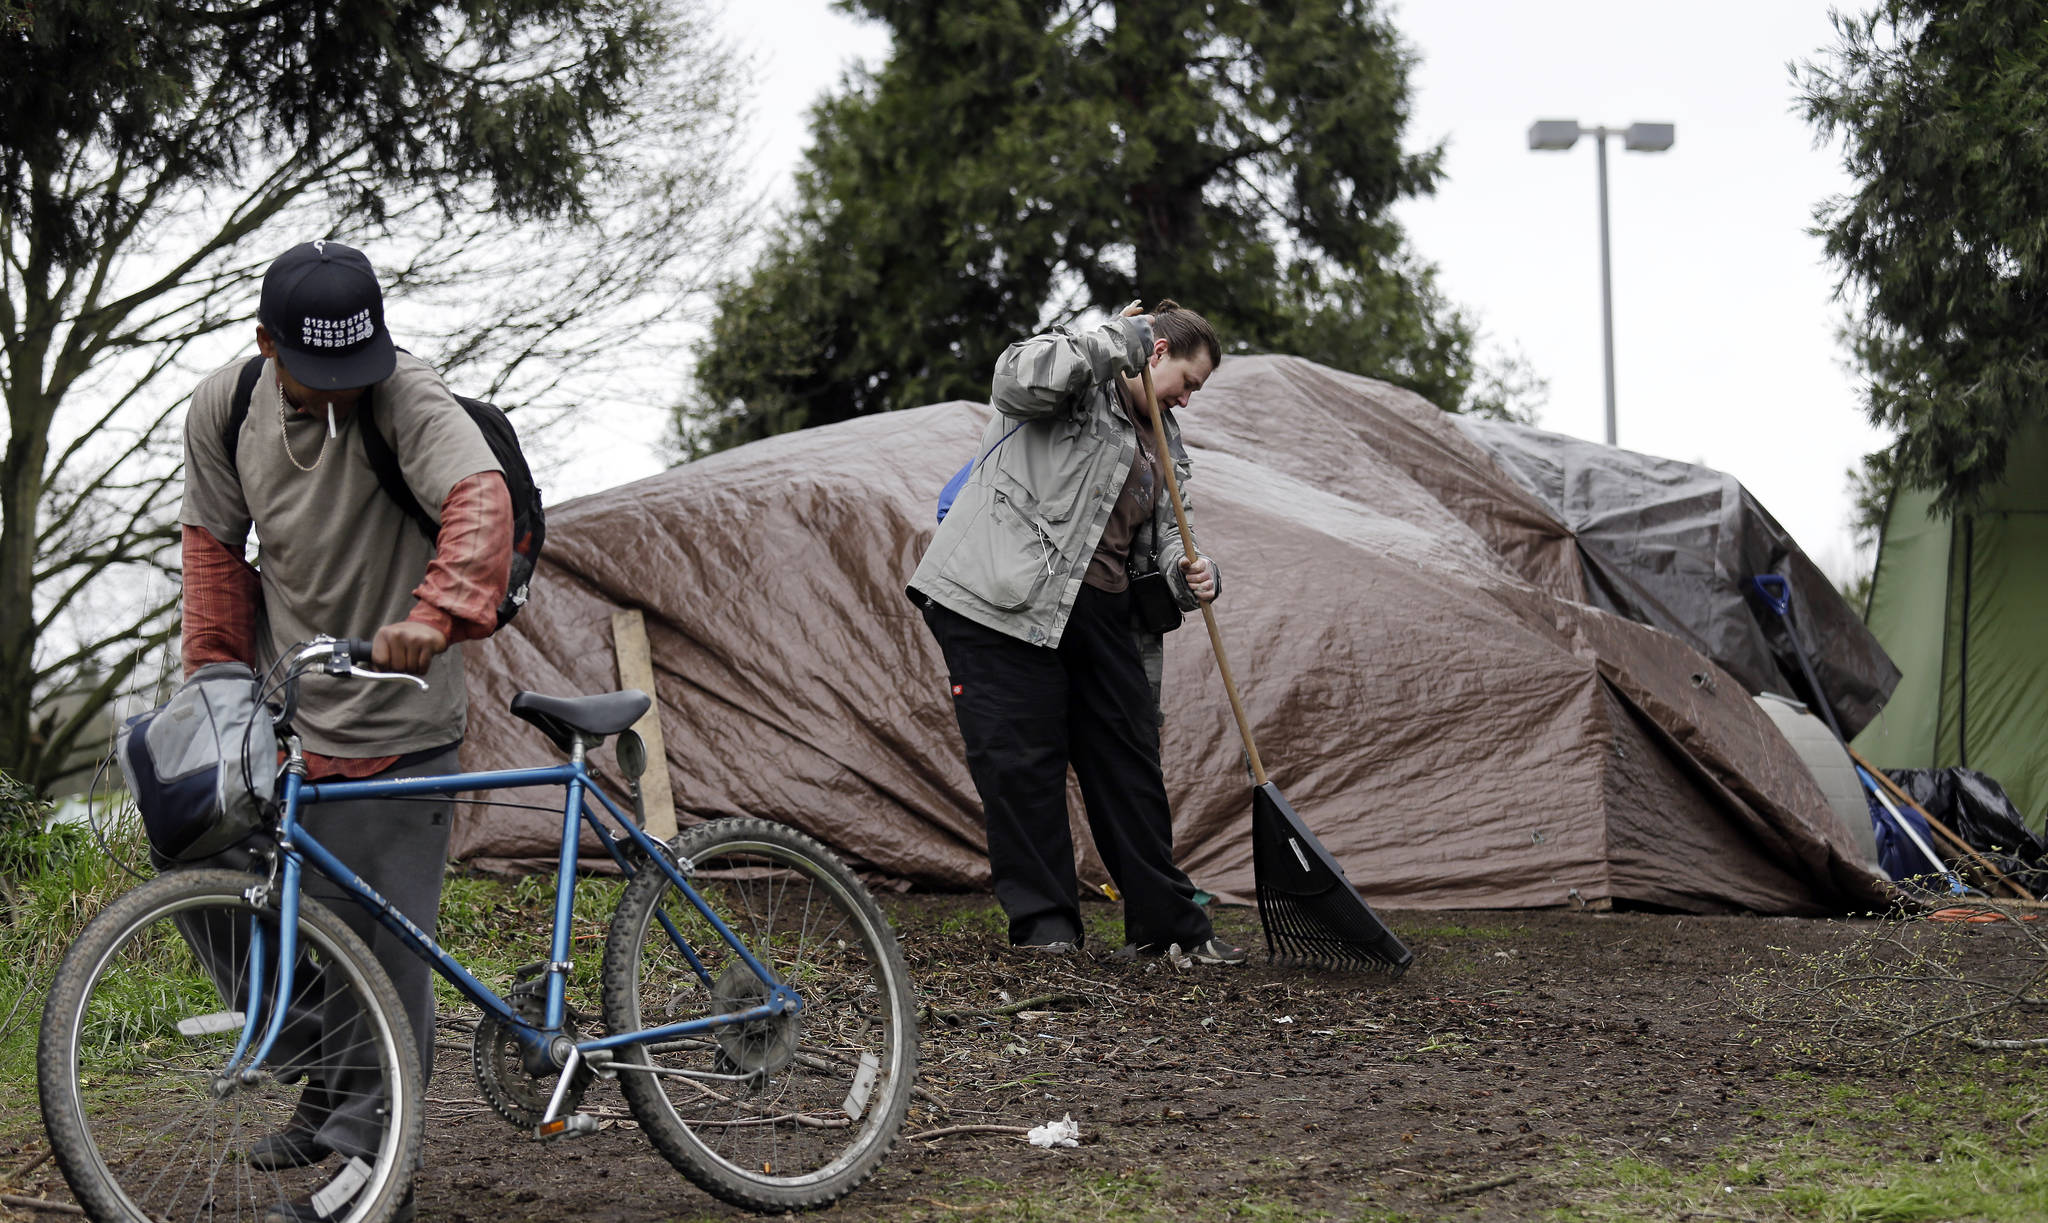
pixel 459 595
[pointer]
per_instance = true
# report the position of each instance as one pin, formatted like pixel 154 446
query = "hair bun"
pixel 1164 305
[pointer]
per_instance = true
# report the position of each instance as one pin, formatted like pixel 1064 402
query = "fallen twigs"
pixel 55 1208
pixel 949 1131
pixel 8 1023
pixel 37 1162
pixel 963 1210
pixel 1044 1002
pixel 2031 1042
pixel 1465 1191
pixel 1885 994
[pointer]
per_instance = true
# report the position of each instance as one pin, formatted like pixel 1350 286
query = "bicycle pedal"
pixel 575 1125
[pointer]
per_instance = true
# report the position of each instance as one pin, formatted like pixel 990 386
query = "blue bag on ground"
pixel 203 765
pixel 1896 853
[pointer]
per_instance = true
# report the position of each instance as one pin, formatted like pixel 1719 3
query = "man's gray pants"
pixel 400 848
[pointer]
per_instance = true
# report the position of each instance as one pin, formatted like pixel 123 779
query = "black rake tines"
pixel 1313 917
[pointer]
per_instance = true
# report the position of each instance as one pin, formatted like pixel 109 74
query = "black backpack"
pixel 529 526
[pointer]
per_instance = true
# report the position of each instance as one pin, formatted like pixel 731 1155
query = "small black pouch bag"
pixel 1153 606
pixel 1152 603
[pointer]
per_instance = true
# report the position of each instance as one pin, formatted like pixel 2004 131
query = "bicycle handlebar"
pixel 343 656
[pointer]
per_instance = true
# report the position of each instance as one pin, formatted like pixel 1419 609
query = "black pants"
pixel 1026 713
pixel 400 848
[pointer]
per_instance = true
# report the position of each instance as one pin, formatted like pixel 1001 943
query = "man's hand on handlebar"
pixel 407 646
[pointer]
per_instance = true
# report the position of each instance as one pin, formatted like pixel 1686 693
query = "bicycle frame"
pixel 299 850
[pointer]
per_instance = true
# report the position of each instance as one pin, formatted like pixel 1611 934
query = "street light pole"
pixel 1606 284
pixel 1552 135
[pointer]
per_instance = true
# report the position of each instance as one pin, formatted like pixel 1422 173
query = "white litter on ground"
pixel 1066 1132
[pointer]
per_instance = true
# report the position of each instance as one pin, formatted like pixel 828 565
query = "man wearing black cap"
pixel 340 557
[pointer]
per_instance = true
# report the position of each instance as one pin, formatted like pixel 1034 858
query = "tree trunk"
pixel 21 494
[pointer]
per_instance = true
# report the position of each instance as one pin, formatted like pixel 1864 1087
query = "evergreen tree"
pixel 1942 109
pixel 1018 163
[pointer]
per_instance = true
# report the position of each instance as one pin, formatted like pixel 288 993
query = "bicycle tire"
pixel 137 1028
pixel 812 1102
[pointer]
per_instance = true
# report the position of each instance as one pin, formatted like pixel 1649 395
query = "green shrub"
pixel 52 880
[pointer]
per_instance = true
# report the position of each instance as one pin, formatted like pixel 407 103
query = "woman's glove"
pixel 1141 326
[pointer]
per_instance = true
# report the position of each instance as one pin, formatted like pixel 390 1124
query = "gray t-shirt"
pixel 338 555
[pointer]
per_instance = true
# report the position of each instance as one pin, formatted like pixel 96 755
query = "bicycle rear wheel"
pixel 141 1021
pixel 789 1112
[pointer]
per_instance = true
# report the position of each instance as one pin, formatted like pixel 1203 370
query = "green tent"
pixel 1962 606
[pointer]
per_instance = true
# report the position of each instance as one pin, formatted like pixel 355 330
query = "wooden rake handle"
pixel 1187 542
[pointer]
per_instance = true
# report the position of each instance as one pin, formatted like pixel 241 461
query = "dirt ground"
pixel 1518 1042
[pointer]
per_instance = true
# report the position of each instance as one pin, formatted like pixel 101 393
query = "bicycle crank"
pixel 499 1061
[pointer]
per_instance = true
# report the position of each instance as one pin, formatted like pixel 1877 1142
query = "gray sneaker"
pixel 1216 951
pixel 1059 947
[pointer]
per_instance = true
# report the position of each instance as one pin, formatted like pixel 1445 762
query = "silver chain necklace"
pixel 283 418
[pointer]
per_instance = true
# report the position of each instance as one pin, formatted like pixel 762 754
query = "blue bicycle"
pixel 757 1012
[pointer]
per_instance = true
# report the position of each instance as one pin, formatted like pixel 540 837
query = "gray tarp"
pixel 1672 545
pixel 1457 733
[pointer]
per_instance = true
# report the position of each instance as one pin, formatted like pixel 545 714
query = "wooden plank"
pixel 636 670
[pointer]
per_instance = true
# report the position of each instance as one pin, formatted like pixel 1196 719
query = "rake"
pixel 1312 915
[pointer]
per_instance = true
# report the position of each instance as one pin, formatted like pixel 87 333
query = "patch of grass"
pixel 987 920
pixel 1454 930
pixel 494 926
pixel 1127 1194
pixel 51 883
pixel 1910 1164
pixel 54 882
pixel 1105 929
pixel 1639 1174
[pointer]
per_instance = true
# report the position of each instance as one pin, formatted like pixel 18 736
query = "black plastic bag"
pixel 1976 809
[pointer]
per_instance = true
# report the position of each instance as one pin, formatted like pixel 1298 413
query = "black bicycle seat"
pixel 563 718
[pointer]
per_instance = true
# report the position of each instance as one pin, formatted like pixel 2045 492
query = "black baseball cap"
pixel 323 309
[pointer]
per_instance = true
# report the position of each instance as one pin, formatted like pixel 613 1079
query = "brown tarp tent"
pixel 1402 616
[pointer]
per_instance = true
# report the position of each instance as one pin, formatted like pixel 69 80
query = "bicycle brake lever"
pixel 361 673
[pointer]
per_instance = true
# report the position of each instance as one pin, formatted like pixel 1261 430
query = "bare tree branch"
pixel 547 300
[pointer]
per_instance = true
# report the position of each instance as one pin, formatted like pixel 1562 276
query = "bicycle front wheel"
pixel 142 1019
pixel 789 1112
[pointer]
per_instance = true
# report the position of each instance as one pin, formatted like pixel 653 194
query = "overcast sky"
pixel 1725 323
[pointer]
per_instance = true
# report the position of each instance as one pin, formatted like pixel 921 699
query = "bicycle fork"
pixel 283 883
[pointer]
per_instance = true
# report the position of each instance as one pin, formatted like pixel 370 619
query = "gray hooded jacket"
pixel 1012 550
